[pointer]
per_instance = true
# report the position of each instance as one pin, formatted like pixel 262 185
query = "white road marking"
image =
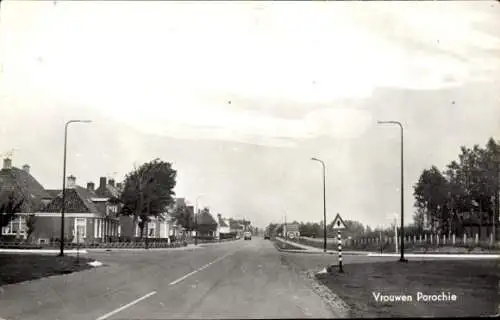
pixel 199 269
pixel 107 315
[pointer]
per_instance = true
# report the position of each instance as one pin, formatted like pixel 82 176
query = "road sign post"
pixel 339 225
pixel 339 237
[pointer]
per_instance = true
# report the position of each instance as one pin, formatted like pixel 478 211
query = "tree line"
pixel 466 189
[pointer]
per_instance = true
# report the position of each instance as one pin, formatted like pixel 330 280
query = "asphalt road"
pixel 241 279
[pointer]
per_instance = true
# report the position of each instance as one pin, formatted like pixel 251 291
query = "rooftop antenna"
pixel 9 154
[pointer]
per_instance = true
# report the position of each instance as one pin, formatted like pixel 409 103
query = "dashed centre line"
pixel 109 314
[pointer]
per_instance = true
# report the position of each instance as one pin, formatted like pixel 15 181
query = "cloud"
pixel 156 75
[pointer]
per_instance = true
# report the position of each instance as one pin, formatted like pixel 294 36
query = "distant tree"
pixel 148 191
pixel 10 206
pixel 30 225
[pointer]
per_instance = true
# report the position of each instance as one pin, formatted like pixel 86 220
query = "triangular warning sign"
pixel 338 223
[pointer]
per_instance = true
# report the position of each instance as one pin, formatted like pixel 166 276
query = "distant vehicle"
pixel 247 236
pixel 267 236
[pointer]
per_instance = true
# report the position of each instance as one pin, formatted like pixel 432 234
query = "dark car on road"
pixel 247 236
pixel 267 236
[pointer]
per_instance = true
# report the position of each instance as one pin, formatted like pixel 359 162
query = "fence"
pixel 117 243
pixel 411 242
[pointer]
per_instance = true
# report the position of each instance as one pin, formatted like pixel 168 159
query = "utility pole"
pixel 498 206
pixel 396 234
pixel 285 228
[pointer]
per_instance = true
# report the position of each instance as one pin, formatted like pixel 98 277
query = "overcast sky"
pixel 239 96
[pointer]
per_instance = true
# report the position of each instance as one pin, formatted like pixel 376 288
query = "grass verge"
pixel 16 268
pixel 280 245
pixel 475 284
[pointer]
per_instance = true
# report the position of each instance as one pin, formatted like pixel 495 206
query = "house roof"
pixel 205 218
pixel 235 225
pixel 53 193
pixel 24 187
pixel 222 222
pixel 77 201
pixel 108 191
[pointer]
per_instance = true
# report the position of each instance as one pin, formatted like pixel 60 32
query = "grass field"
pixel 475 284
pixel 21 267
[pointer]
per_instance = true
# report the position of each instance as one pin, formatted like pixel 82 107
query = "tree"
pixel 30 225
pixel 10 206
pixel 431 196
pixel 469 185
pixel 184 217
pixel 419 219
pixel 148 191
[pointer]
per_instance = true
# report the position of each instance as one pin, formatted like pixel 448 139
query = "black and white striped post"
pixel 339 238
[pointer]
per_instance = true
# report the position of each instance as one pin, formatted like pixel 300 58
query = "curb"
pixel 431 255
pixel 336 303
pixel 41 251
pixel 189 247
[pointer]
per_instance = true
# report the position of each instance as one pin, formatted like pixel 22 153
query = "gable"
pixel 23 186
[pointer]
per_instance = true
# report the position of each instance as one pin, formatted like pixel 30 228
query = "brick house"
pixel 91 215
pixel 22 185
pixel 206 224
pixel 161 227
pixel 223 228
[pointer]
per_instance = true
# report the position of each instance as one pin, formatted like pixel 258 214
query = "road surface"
pixel 241 279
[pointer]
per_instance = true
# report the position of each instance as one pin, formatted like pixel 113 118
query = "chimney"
pixel 70 184
pixel 102 183
pixel 111 182
pixel 26 168
pixel 90 186
pixel 7 163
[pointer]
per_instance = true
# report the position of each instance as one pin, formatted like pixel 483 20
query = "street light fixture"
pixel 196 221
pixel 63 206
pixel 324 202
pixel 402 258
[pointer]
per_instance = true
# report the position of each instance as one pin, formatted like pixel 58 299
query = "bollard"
pixel 420 239
pixel 453 239
pixel 477 238
pixel 465 239
pixel 444 239
pixel 437 239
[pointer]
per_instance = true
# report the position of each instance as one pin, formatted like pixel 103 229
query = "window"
pixel 80 227
pixel 15 225
pixel 151 229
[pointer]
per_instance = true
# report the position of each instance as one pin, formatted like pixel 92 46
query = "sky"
pixel 239 96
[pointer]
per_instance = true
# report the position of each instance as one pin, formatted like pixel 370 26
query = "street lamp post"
pixel 402 246
pixel 61 252
pixel 196 222
pixel 324 202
